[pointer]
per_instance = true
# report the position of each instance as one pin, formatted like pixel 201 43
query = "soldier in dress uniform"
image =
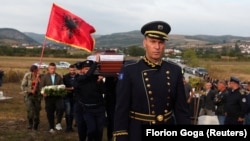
pixel 150 91
pixel 247 117
pixel 236 105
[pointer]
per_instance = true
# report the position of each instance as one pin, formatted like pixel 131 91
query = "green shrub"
pixel 196 82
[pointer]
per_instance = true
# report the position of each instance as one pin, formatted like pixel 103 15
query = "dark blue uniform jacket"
pixel 148 90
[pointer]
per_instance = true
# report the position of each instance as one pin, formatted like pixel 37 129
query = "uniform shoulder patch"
pixel 121 75
pixel 242 91
pixel 244 100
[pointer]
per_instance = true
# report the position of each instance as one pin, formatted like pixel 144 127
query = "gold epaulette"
pixel 242 91
pixel 119 133
pixel 151 64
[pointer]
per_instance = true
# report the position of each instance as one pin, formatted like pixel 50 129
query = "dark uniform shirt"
pixel 149 94
pixel 88 90
pixel 236 105
pixel 188 89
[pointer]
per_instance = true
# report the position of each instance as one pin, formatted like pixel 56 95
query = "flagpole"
pixel 42 53
pixel 40 62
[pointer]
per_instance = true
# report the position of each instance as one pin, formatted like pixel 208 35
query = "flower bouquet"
pixel 54 90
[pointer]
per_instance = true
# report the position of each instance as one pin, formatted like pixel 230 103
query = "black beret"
pixel 234 79
pixel 79 65
pixel 87 63
pixel 156 29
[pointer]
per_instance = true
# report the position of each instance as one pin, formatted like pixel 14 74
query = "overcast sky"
pixel 189 17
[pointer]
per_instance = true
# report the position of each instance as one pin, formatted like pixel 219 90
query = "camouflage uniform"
pixel 32 101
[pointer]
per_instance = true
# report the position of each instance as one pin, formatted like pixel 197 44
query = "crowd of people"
pixel 148 92
pixel 88 96
pixel 228 100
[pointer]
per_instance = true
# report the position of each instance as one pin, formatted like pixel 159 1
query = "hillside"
pixel 120 39
pixel 123 39
pixel 134 38
pixel 37 37
pixel 13 36
pixel 219 39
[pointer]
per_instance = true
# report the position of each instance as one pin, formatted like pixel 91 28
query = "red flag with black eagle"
pixel 67 28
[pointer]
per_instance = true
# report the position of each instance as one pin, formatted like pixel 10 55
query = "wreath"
pixel 54 90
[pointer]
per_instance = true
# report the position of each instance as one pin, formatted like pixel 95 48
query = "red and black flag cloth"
pixel 67 28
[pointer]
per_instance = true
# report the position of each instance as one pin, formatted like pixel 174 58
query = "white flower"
pixel 50 87
pixel 42 91
pixel 62 87
pixel 53 87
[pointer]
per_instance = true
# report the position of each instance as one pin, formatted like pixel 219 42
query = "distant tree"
pixel 237 50
pixel 210 53
pixel 124 50
pixel 135 51
pixel 190 57
pixel 224 51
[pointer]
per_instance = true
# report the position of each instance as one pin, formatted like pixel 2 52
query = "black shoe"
pixel 30 123
pixel 35 127
pixel 69 130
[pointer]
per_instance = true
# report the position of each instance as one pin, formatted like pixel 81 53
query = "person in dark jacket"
pixel 207 101
pixel 90 96
pixel 53 104
pixel 79 119
pixel 69 101
pixel 220 101
pixel 150 91
pixel 236 105
pixel 110 96
pixel 1 77
pixel 247 117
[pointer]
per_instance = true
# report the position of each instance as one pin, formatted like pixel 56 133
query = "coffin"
pixel 109 65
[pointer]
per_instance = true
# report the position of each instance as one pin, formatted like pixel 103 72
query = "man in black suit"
pixel 207 101
pixel 150 91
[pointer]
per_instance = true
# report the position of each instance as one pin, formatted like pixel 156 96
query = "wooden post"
pixel 197 110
